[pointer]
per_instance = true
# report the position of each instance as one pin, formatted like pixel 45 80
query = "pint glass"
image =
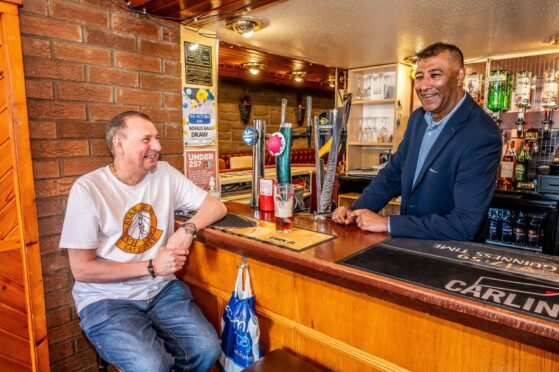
pixel 283 207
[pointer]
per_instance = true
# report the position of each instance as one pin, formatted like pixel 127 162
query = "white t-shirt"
pixel 125 223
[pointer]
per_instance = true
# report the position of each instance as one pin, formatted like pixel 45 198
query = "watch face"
pixel 190 228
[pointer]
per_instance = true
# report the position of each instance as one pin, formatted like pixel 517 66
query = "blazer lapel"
pixel 452 127
pixel 415 146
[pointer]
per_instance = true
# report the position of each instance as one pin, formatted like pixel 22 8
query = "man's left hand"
pixel 370 221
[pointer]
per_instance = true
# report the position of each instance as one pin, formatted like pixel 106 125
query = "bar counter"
pixel 344 319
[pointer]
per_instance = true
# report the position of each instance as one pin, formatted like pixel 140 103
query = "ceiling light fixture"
pixel 244 25
pixel 253 67
pixel 298 76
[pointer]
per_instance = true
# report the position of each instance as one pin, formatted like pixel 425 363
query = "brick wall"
pixel 85 61
pixel 266 105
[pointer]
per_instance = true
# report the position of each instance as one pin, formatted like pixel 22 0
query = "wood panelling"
pixel 198 12
pixel 22 313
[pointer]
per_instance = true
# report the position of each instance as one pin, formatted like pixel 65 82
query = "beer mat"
pixel 497 280
pixel 234 221
pixel 297 240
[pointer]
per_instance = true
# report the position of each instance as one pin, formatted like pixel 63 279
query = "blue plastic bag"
pixel 239 326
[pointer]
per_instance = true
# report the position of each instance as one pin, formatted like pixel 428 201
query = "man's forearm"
pixel 210 211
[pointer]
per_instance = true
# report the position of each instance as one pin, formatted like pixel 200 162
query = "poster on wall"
pixel 199 117
pixel 201 167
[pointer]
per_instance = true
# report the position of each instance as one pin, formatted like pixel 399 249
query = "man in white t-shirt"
pixel 124 251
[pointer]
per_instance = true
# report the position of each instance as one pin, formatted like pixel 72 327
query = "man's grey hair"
pixel 437 48
pixel 118 123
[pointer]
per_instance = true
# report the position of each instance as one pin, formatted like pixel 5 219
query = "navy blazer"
pixel 455 185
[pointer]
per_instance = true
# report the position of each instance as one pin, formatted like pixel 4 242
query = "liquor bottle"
pixel 506 176
pixel 521 168
pixel 473 87
pixel 507 235
pixel 520 229
pixel 533 232
pixel 497 92
pixel 494 224
pixel 522 95
pixel 550 90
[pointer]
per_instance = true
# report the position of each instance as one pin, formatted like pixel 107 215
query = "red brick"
pixel 60 148
pixel 172 68
pixel 42 129
pixel 110 40
pixel 58 279
pixel 35 47
pixel 49 244
pixel 104 75
pixel 82 343
pixel 156 48
pixel 50 225
pixel 176 161
pixel 135 26
pixel 44 68
pixel 160 82
pixel 61 351
pixel 81 129
pixel 138 97
pixel 45 169
pixel 84 92
pixel 35 6
pixel 104 4
pixel 171 146
pixel 56 110
pixel 99 148
pixel 173 100
pixel 39 89
pixel 158 115
pixel 78 167
pixel 83 362
pixel 82 53
pixel 133 61
pixel 64 332
pixel 173 131
pixel 57 299
pixel 50 28
pixel 171 35
pixel 49 207
pixel 59 316
pixel 55 261
pixel 80 14
pixel 107 112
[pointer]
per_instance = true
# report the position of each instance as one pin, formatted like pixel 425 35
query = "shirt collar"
pixel 429 115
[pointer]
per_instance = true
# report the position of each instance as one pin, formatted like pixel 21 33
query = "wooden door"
pixel 23 335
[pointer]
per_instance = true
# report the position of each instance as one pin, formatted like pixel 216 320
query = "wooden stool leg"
pixel 102 364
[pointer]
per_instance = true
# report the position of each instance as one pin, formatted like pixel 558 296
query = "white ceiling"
pixel 356 33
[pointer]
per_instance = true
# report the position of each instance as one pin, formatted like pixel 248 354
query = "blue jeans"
pixel 167 332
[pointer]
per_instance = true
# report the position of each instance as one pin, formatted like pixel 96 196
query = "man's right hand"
pixel 169 260
pixel 343 215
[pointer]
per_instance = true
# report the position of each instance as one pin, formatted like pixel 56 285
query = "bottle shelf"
pixel 372 101
pixel 516 246
pixel 370 144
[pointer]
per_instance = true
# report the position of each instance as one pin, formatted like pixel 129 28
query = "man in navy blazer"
pixel 445 167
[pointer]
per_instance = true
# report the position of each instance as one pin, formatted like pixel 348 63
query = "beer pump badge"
pixel 276 144
pixel 249 136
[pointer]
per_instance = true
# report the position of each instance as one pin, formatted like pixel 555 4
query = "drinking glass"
pixel 283 207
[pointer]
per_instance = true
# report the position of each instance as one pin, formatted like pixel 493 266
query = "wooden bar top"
pixel 320 262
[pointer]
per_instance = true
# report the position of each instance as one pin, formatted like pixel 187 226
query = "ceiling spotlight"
pixel 244 25
pixel 298 76
pixel 253 67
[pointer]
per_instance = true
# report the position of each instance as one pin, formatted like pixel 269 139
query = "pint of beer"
pixel 283 207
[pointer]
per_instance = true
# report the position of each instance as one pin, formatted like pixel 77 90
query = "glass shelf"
pixel 370 144
pixel 373 101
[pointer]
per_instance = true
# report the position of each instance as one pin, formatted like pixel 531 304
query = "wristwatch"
pixel 190 228
pixel 151 269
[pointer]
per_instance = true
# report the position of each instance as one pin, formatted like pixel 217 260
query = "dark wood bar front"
pixel 344 319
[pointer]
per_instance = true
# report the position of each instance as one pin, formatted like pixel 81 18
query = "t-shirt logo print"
pixel 139 230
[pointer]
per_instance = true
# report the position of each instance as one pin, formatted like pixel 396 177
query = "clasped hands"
pixel 365 219
pixel 172 257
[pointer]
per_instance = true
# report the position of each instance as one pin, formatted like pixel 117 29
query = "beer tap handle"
pixel 309 121
pixel 283 110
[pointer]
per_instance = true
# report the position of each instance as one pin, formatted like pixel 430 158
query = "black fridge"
pixel 524 220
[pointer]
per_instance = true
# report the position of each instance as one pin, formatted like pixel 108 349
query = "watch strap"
pixel 190 228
